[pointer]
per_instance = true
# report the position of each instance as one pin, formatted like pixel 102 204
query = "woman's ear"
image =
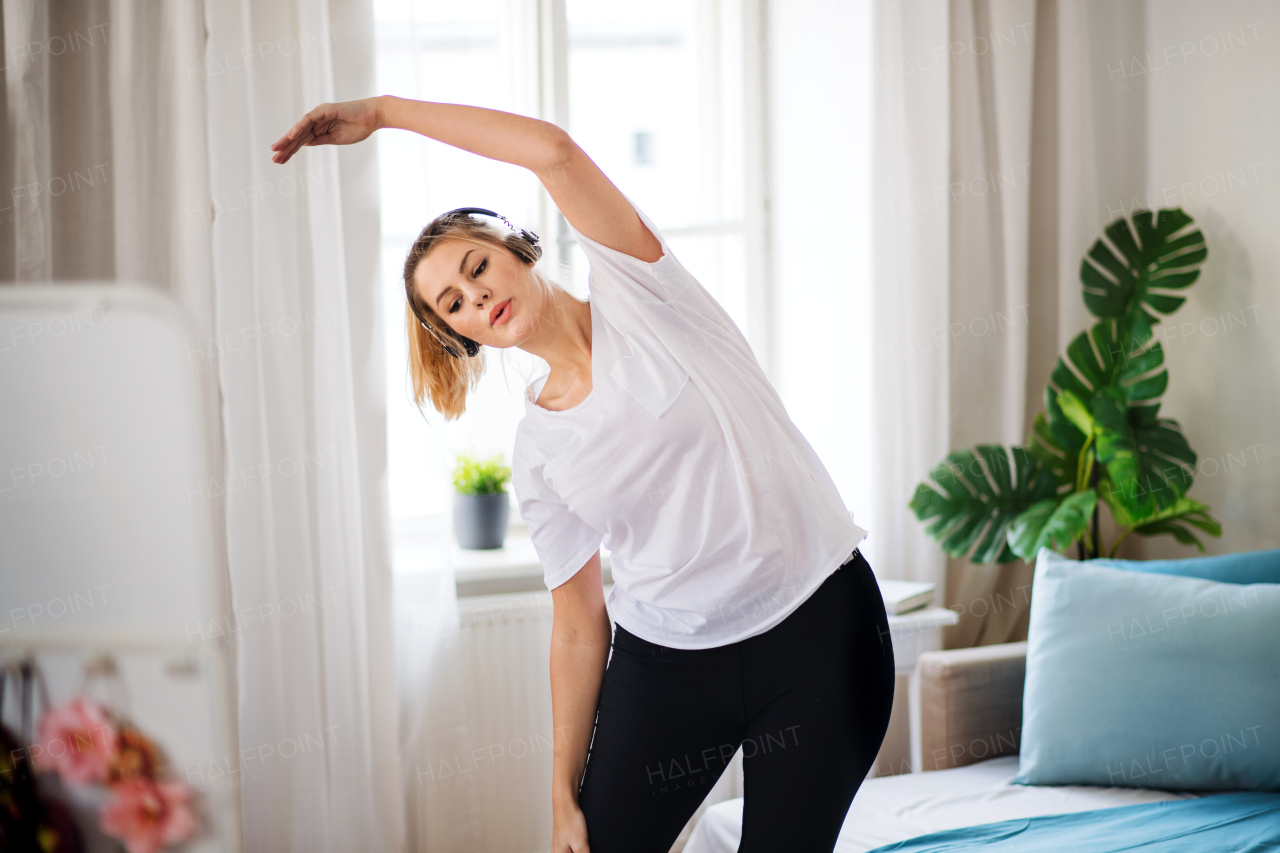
pixel 469 347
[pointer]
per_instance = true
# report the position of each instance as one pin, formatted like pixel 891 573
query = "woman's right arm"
pixel 586 197
pixel 580 640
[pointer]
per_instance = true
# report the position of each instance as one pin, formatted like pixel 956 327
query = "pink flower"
pixel 78 741
pixel 147 815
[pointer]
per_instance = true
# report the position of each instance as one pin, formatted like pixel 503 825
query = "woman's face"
pixel 483 292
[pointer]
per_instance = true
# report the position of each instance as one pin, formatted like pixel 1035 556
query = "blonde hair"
pixel 438 376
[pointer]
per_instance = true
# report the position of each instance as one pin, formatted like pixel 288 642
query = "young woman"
pixel 745 616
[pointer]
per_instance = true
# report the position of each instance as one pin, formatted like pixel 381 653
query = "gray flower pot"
pixel 480 521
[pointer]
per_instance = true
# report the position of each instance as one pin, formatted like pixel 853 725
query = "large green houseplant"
pixel 1099 439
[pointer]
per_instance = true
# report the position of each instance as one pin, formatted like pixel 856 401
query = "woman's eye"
pixel 454 306
pixel 483 264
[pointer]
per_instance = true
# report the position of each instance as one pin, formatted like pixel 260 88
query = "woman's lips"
pixel 501 313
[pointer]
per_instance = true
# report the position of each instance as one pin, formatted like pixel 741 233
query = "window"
pixel 657 94
pixel 655 97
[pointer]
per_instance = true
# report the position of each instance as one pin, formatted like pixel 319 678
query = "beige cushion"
pixel 971 704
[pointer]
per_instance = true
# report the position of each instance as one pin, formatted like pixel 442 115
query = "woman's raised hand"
pixel 329 124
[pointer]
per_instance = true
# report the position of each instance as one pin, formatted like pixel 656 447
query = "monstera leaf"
pixel 977 500
pixel 1100 359
pixel 1175 521
pixel 1148 461
pixel 1060 460
pixel 1104 357
pixel 1053 523
pixel 1058 433
pixel 1155 256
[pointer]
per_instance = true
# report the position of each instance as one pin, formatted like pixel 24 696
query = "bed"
pixel 889 809
pixel 970 705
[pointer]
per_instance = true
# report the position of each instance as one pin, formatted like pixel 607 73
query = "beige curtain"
pixel 997 133
pixel 1084 142
pixel 990 117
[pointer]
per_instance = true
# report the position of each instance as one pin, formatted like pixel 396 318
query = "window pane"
pixel 655 99
pixel 478 53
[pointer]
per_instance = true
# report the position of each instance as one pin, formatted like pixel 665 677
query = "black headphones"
pixel 529 255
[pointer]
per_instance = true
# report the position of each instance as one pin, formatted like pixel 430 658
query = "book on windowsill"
pixel 904 596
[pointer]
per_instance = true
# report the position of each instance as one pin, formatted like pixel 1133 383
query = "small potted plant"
pixel 480 503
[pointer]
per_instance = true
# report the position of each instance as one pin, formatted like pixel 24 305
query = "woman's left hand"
pixel 329 124
pixel 569 830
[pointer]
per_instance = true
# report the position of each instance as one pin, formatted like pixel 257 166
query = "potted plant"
pixel 480 503
pixel 1098 440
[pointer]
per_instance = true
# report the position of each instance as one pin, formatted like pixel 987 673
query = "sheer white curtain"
pixel 300 401
pixel 443 811
pixel 139 135
pixel 909 259
pixel 996 133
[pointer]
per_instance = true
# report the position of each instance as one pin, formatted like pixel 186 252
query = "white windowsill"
pixel 427 544
pixel 511 568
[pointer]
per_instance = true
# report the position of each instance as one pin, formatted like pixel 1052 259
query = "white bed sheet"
pixel 894 808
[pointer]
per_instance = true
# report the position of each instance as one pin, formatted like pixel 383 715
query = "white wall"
pixel 1212 120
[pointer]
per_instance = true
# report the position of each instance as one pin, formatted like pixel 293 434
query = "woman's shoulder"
pixel 629 290
pixel 594 247
pixel 612 270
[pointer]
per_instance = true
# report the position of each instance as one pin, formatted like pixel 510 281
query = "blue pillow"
pixel 1249 567
pixel 1154 681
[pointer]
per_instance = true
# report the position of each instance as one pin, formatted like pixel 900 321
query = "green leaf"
pixel 1180 532
pixel 1051 453
pixel 1157 254
pixel 977 498
pixel 1108 356
pixel 1075 411
pixel 1063 432
pixel 1111 355
pixel 1175 521
pixel 1054 523
pixel 473 476
pixel 1149 463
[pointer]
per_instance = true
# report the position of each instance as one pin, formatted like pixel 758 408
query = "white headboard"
pixel 106 548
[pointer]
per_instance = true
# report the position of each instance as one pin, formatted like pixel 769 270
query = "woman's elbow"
pixel 589 634
pixel 580 623
pixel 558 151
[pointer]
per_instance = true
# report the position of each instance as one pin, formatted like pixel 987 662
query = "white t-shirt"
pixel 720 518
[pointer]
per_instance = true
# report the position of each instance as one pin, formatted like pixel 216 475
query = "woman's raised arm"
pixel 586 197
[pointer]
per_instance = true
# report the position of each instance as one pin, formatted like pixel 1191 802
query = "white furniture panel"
pixel 107 546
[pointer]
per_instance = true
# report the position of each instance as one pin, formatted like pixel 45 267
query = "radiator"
pixel 478 745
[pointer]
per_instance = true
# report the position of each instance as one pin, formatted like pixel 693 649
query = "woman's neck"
pixel 566 346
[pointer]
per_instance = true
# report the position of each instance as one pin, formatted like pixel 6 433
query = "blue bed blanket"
pixel 1239 822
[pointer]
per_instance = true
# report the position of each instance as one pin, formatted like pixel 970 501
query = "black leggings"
pixel 808 702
